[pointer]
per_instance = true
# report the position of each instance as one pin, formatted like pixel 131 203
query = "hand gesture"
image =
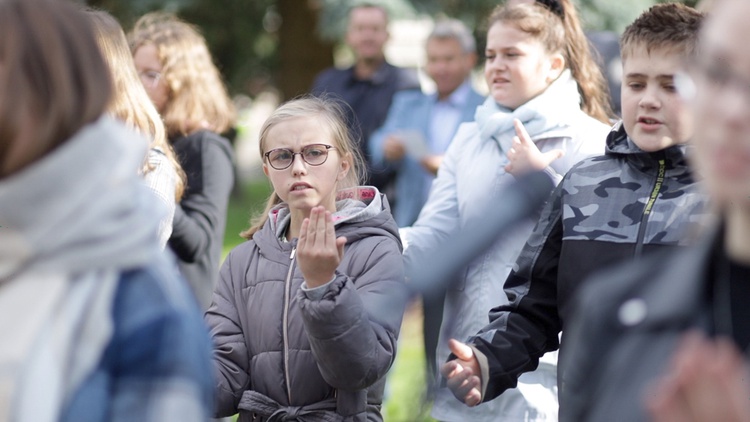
pixel 524 155
pixel 319 251
pixel 463 374
pixel 707 381
pixel 393 148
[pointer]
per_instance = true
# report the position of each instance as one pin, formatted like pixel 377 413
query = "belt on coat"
pixel 264 408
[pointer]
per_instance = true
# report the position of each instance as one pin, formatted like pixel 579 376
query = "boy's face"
pixel 655 116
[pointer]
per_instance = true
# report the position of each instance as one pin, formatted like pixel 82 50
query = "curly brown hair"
pixel 198 98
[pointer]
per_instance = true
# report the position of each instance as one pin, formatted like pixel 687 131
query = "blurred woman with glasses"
pixel 297 317
pixel 130 103
pixel 175 67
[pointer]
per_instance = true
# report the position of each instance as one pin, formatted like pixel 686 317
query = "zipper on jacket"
pixel 285 327
pixel 649 205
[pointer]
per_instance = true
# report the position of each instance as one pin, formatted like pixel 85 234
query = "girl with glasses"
pixel 295 318
pixel 176 69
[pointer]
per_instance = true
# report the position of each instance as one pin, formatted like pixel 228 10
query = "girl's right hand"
pixel 319 251
pixel 525 156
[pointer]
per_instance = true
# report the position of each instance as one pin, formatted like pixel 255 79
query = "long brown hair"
pixel 559 30
pixel 52 78
pixel 131 103
pixel 328 111
pixel 591 82
pixel 197 97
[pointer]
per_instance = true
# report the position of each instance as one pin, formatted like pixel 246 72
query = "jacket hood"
pixel 81 207
pixel 360 212
pixel 620 144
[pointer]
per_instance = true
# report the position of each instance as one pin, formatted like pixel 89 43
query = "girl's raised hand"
pixel 524 155
pixel 319 252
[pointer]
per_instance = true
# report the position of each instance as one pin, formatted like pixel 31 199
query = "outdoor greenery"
pixel 261 44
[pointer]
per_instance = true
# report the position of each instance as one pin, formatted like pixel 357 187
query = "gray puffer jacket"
pixel 286 353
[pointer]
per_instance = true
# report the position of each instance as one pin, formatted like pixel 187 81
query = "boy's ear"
pixel 557 65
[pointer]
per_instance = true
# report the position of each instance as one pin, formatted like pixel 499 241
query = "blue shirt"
pixel 368 99
pixel 437 121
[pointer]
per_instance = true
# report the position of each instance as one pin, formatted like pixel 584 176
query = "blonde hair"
pixel 331 113
pixel 559 30
pixel 131 103
pixel 197 96
pixel 51 74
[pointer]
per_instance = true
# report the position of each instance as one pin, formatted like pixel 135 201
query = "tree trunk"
pixel 302 54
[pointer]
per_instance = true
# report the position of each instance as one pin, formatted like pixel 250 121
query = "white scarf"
pixel 69 224
pixel 549 114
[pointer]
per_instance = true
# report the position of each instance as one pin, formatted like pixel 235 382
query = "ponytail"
pixel 591 82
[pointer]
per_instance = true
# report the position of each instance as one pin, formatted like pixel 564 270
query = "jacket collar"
pixel 675 157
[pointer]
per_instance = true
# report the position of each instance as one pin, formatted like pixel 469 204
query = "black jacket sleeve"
pixel 200 218
pixel 520 332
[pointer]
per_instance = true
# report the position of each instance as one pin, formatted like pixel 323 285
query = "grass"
pixel 405 388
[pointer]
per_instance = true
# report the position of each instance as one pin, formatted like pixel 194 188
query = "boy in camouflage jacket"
pixel 638 198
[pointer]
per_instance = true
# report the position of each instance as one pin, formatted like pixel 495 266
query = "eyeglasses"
pixel 150 78
pixel 282 158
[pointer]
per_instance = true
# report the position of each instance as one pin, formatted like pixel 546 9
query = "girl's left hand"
pixel 319 251
pixel 524 155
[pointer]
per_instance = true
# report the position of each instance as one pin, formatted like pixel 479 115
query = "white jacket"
pixel 472 170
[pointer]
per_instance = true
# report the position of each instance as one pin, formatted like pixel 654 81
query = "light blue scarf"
pixel 550 114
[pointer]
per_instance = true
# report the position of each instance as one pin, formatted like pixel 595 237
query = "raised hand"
pixel 524 155
pixel 463 374
pixel 707 381
pixel 319 251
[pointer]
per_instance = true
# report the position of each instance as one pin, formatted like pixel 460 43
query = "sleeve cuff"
pixel 317 293
pixel 556 178
pixel 484 369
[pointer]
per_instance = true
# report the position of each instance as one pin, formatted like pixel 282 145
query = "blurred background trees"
pixel 282 44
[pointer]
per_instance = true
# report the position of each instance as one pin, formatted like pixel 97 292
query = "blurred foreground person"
pixel 95 324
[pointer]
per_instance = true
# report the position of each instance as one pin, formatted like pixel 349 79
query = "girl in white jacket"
pixel 531 120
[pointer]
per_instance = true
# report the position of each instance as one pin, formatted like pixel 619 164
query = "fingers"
pixel 553 155
pixel 340 243
pixel 707 381
pixel 461 350
pixel 302 241
pixel 319 252
pixel 462 382
pixel 522 135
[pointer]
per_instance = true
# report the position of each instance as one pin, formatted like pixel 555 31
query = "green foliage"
pixel 246 203
pixel 334 14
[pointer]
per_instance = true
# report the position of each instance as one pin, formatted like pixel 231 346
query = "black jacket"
pixel 628 325
pixel 607 209
pixel 200 219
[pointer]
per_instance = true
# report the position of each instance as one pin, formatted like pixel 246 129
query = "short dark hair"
pixel 673 26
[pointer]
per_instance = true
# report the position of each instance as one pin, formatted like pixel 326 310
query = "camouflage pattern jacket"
pixel 607 209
